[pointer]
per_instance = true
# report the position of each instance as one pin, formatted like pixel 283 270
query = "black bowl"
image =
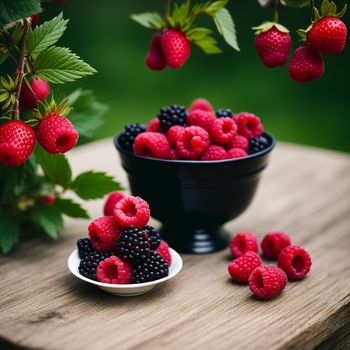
pixel 193 199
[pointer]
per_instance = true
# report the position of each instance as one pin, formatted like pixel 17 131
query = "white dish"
pixel 126 290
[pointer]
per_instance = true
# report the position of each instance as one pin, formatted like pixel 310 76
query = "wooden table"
pixel 305 192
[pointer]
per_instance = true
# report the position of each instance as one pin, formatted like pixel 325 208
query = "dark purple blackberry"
pixel 152 268
pixel 84 247
pixel 257 144
pixel 127 138
pixel 88 264
pixel 133 245
pixel 153 236
pixel 224 113
pixel 172 115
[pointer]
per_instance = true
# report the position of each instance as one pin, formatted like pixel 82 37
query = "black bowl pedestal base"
pixel 196 241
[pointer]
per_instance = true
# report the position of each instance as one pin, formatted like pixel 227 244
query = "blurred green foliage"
pixel 103 34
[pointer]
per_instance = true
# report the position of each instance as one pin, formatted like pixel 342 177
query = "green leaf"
pixel 49 218
pixel 9 232
pixel 149 20
pixel 226 27
pixel 13 10
pixel 93 185
pixel 216 6
pixel 196 34
pixel 70 208
pixel 55 167
pixel 180 13
pixel 59 65
pixel 45 35
pixel 87 112
pixel 208 45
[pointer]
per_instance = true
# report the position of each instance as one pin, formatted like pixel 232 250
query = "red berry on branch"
pixel 327 35
pixel 48 199
pixel 155 59
pixel 17 141
pixel 306 65
pixel 29 97
pixel 36 19
pixel 176 48
pixel 56 134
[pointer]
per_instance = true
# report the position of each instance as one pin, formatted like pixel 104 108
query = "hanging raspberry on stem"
pixel 176 32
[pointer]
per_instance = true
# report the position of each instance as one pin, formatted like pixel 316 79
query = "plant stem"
pixel 275 15
pixel 312 4
pixel 21 63
pixel 167 10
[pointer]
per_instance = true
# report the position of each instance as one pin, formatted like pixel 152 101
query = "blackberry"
pixel 84 247
pixel 224 113
pixel 172 115
pixel 153 237
pixel 257 144
pixel 89 263
pixel 152 268
pixel 133 245
pixel 129 134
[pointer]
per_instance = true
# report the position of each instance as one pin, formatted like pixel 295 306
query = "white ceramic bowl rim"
pixel 174 255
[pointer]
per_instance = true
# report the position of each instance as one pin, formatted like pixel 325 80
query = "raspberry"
pixel 215 153
pixel 192 143
pixel 152 144
pixel 327 35
pixel 249 125
pixel 176 48
pixel 295 261
pixel 243 242
pixel 113 270
pixel 127 138
pixel 153 236
pixel 241 268
pixel 49 199
pixel 223 130
pixel 273 243
pixel 164 252
pixel 266 282
pixel 257 144
pixel 224 113
pixel 84 247
pixel 154 125
pixel 133 245
pixel 172 115
pixel 306 65
pixel 112 199
pixel 201 118
pixel 173 155
pixel 132 211
pixel 155 59
pixel 56 134
pixel 88 264
pixel 173 134
pixel 152 268
pixel 236 153
pixel 273 45
pixel 104 233
pixel 202 104
pixel 239 141
pixel 38 90
pixel 17 141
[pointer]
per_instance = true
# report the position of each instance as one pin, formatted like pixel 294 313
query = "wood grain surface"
pixel 304 191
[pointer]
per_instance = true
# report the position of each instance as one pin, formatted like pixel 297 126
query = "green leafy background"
pixel 315 114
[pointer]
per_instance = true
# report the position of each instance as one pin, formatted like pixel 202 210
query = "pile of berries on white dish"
pixel 199 133
pixel 122 248
pixel 267 281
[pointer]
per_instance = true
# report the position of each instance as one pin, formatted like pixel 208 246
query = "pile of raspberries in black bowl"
pixel 197 167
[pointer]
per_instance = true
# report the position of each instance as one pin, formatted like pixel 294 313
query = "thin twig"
pixel 167 10
pixel 275 16
pixel 312 4
pixel 21 63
